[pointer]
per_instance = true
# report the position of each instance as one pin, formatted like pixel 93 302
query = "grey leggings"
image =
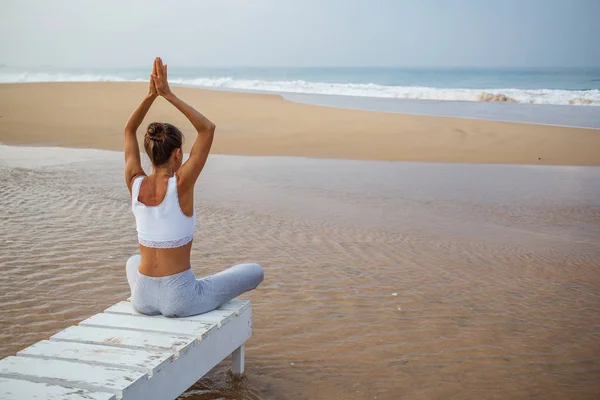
pixel 182 295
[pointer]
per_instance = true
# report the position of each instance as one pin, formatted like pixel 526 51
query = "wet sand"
pixel 92 115
pixel 383 280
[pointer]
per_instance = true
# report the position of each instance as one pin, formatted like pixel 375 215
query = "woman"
pixel 161 278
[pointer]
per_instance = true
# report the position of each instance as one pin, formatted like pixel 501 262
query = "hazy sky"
pixel 431 33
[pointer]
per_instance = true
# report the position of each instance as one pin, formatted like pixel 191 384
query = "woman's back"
pixel 165 228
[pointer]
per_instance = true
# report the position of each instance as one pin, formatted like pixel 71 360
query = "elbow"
pixel 209 129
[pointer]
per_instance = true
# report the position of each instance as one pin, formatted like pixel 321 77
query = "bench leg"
pixel 238 361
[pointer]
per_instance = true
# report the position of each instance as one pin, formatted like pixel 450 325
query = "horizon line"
pixel 5 65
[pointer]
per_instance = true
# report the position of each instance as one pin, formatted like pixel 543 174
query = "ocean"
pixel 579 86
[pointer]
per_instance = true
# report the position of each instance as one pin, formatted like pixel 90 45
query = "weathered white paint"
pixel 131 355
pixel 15 389
pixel 128 339
pixel 217 317
pixel 141 360
pixel 238 306
pixel 150 324
pixel 119 381
pixel 237 360
pixel 187 370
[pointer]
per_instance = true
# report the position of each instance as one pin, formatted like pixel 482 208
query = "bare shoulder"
pixel 131 180
pixel 185 193
pixel 185 183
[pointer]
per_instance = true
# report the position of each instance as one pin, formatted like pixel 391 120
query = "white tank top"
pixel 163 226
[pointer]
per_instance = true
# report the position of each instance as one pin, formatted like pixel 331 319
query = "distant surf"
pixel 266 80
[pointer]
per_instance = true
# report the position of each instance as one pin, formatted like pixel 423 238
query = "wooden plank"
pixel 149 324
pixel 129 339
pixel 119 381
pixel 239 306
pixel 218 317
pixel 236 305
pixel 79 357
pixel 16 389
pixel 186 370
pixel 140 360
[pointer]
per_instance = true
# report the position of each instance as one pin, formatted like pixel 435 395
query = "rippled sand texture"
pixel 384 280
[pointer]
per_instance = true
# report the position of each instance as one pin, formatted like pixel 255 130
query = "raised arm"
pixel 190 170
pixel 133 164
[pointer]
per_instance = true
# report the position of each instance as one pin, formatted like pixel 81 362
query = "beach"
pixel 92 115
pixel 394 266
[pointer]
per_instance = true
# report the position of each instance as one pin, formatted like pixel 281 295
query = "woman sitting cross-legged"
pixel 161 278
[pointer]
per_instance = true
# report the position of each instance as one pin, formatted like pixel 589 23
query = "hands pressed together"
pixel 159 84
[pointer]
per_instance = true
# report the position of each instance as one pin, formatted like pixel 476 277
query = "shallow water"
pixel 384 280
pixel 544 114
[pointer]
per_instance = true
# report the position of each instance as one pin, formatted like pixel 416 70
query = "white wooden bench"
pixel 121 354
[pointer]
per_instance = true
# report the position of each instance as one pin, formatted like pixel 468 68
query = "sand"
pixel 92 115
pixel 495 270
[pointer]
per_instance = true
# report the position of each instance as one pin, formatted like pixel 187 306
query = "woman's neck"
pixel 163 171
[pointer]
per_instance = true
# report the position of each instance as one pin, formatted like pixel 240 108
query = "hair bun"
pixel 156 131
pixel 160 141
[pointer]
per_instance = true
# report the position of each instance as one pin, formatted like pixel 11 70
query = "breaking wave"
pixel 533 96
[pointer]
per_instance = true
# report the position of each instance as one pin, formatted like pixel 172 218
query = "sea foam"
pixel 532 96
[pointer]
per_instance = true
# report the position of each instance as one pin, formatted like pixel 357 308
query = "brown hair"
pixel 160 141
